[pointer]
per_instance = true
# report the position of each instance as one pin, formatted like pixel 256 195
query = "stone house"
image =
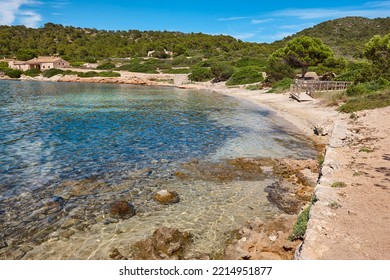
pixel 42 63
pixel 47 62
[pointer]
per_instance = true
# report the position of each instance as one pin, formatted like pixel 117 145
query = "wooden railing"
pixel 309 87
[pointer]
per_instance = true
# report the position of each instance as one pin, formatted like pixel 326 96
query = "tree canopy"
pixel 303 52
pixel 378 51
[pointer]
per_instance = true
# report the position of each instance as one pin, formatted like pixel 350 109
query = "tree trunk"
pixel 304 70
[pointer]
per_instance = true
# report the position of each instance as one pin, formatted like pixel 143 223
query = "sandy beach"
pixel 349 220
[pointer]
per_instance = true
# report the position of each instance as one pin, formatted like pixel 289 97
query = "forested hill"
pixel 345 36
pixel 74 43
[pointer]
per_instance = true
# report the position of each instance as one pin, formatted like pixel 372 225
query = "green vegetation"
pixel 355 49
pixel 300 227
pixel 345 36
pixel 52 72
pixel 32 72
pixel 221 71
pixel 3 66
pixel 377 50
pixel 14 74
pixel 366 150
pixel 245 75
pixel 200 74
pixel 303 52
pixel 338 185
pixel 106 66
pixel 281 86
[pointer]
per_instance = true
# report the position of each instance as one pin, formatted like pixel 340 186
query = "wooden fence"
pixel 309 87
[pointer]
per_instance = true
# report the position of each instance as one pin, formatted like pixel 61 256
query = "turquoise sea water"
pixel 80 146
pixel 52 131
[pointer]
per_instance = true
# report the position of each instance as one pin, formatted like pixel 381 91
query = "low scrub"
pixel 32 72
pixel 106 66
pixel 13 73
pixel 300 227
pixel 366 102
pixel 281 86
pixel 91 74
pixel 139 68
pixel 245 75
pixel 200 74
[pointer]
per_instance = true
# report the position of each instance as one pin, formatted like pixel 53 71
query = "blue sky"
pixel 248 20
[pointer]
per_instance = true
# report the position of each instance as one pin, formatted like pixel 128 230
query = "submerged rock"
pixel 264 241
pixel 122 209
pixel 166 197
pixel 164 244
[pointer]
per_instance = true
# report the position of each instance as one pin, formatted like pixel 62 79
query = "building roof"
pixel 43 59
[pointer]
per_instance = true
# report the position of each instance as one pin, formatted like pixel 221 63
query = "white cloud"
pixel 232 18
pixel 258 21
pixel 378 4
pixel 380 9
pixel 30 18
pixel 11 10
pixel 59 4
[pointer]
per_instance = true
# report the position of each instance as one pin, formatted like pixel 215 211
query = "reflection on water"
pixel 58 140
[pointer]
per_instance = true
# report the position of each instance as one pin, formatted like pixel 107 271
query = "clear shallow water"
pixel 52 131
pixel 84 143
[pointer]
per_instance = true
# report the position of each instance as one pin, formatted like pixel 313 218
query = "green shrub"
pixel 200 74
pixel 106 66
pixel 282 85
pixel 32 72
pixel 221 71
pixel 109 74
pixel 368 87
pixel 136 66
pixel 245 75
pixel 366 102
pixel 338 185
pixel 3 66
pixel 91 74
pixel 356 90
pixel 177 71
pixel 250 61
pixel 300 227
pixel 77 63
pixel 14 73
pixel 52 72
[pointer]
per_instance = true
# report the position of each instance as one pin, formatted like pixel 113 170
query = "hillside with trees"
pixel 345 36
pixel 74 43
pixel 350 49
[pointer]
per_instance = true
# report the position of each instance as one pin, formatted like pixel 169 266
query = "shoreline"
pixel 325 226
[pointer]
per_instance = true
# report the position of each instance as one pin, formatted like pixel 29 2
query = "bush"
pixel 368 87
pixel 250 61
pixel 52 72
pixel 91 74
pixel 200 74
pixel 13 73
pixel 109 74
pixel 32 72
pixel 221 71
pixel 300 227
pixel 136 66
pixel 282 85
pixel 3 66
pixel 106 66
pixel 77 63
pixel 366 102
pixel 245 75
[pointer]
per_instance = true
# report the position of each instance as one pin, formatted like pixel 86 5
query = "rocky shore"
pixel 349 216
